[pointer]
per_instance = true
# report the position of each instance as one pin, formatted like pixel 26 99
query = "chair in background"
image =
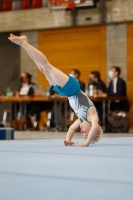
pixel 130 116
pixel 36 3
pixel 45 120
pixel 25 4
pixel 7 118
pixel 6 6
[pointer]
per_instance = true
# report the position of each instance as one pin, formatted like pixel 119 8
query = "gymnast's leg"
pixel 54 75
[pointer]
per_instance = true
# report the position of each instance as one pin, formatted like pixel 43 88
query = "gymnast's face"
pixel 85 127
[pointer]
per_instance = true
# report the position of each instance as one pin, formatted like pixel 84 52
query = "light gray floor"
pixel 47 170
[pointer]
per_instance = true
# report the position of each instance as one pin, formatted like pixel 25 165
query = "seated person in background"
pixel 94 79
pixel 26 87
pixel 76 74
pixel 117 87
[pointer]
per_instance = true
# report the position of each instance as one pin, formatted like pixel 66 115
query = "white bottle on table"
pixel 91 90
pixel 87 90
pixel 47 93
pixel 8 92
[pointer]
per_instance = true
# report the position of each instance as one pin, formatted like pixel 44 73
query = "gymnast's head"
pixel 85 128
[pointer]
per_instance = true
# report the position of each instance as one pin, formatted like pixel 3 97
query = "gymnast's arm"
pixel 71 132
pixel 94 120
pixel 92 116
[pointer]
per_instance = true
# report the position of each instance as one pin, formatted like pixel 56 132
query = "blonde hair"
pixel 98 135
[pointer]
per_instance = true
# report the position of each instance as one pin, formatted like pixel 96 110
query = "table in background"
pixel 64 100
pixel 25 100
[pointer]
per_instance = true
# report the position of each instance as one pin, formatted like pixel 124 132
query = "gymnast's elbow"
pixel 95 127
pixel 71 128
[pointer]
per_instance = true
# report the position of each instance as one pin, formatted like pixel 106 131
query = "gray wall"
pixel 26 63
pixel 9 66
pixel 31 19
pixel 116 51
pixel 9 63
pixel 119 10
pixel 34 19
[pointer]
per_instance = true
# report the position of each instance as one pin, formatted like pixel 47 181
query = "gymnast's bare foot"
pixel 21 40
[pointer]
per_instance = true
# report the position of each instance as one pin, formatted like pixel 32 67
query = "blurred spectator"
pixel 26 87
pixel 33 109
pixel 117 87
pixel 94 79
pixel 76 73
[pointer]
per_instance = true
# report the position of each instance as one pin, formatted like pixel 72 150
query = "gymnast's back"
pixel 80 103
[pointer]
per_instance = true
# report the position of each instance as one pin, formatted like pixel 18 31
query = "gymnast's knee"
pixel 46 69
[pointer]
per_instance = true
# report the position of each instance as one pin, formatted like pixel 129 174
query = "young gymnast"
pixel 67 86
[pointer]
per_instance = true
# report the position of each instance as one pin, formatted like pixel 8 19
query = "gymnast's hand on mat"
pixel 18 40
pixel 82 144
pixel 68 143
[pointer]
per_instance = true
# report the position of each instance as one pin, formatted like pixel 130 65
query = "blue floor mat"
pixel 48 170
